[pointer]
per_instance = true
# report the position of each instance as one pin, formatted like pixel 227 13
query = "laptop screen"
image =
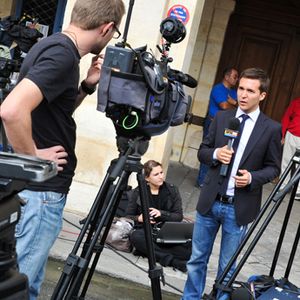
pixel 175 232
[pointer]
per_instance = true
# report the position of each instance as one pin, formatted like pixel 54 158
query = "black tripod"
pixel 102 214
pixel 276 198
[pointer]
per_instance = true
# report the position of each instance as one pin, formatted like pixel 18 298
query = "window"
pixel 47 12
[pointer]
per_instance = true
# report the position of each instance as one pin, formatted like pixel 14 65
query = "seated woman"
pixel 164 205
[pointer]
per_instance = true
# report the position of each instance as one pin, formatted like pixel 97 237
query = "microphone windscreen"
pixel 234 124
pixel 190 81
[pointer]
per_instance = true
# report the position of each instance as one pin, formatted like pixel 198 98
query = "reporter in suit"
pixel 234 201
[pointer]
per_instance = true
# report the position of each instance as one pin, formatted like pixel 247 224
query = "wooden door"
pixel 270 41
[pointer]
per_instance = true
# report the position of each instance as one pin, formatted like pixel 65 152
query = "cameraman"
pixel 37 116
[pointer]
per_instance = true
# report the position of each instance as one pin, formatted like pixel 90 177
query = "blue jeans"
pixel 205 231
pixel 36 232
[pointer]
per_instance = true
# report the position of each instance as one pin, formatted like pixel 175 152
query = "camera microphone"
pixel 231 132
pixel 185 79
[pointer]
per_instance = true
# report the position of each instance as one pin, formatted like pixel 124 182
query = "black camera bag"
pixel 120 94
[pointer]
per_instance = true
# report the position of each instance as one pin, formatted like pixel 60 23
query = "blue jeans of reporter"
pixel 36 232
pixel 205 231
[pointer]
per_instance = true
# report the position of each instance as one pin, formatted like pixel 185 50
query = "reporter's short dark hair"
pixel 260 74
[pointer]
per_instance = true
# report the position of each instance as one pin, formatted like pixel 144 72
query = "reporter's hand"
pixel 224 155
pixel 243 179
pixel 55 153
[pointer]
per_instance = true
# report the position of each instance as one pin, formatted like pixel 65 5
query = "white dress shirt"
pixel 248 128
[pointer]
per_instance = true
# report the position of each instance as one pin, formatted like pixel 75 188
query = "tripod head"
pixel 138 145
pixel 133 148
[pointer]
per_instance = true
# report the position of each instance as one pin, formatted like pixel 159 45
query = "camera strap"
pixel 147 75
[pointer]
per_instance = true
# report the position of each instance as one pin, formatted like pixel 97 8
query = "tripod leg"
pixel 286 220
pixel 115 199
pixel 293 252
pixel 73 261
pixel 107 215
pixel 155 272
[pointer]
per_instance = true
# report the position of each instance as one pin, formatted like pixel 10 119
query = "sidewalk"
pixel 129 267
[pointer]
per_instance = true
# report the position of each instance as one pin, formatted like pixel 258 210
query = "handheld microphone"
pixel 232 132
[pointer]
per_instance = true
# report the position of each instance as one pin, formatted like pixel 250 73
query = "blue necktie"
pixel 237 140
pixel 235 145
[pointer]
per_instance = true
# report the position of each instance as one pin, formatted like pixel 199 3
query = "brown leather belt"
pixel 225 199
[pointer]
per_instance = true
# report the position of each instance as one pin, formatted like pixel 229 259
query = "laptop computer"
pixel 175 233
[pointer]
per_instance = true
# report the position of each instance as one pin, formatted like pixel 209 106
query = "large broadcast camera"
pixel 142 95
pixel 16 172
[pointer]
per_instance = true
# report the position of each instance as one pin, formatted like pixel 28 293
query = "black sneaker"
pixel 297 197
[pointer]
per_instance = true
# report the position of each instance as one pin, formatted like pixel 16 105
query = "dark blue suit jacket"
pixel 262 158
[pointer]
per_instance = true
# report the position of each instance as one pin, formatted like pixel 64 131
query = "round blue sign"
pixel 179 12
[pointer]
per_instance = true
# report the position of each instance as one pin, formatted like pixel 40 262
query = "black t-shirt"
pixel 53 65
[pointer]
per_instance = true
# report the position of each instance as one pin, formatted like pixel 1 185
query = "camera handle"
pixel 126 28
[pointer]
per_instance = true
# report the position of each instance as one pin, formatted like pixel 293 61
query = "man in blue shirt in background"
pixel 223 96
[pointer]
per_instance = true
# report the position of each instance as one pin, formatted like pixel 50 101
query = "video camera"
pixel 142 95
pixel 7 67
pixel 16 172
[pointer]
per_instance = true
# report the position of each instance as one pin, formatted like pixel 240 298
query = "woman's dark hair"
pixel 149 165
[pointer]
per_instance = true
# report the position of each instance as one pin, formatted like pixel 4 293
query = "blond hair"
pixel 90 14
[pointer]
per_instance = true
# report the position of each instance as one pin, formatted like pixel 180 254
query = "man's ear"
pixel 105 28
pixel 262 96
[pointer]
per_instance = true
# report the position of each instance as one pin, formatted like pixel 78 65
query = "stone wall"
pixel 5 8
